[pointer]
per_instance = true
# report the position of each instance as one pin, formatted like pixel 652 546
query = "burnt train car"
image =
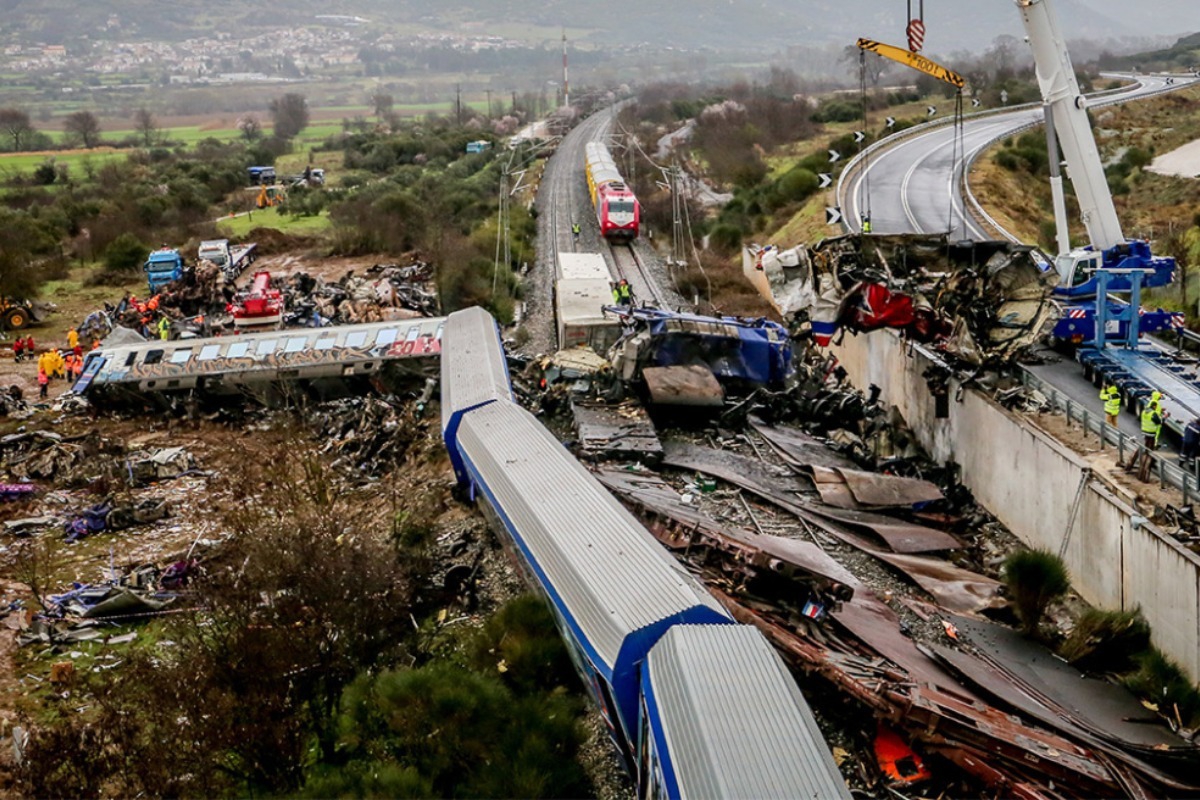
pixel 617 210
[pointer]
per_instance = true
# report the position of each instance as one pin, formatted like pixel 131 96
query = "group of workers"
pixel 63 363
pixel 1152 418
pixel 622 293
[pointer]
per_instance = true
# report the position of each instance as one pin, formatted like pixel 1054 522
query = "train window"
pixel 326 342
pixel 181 356
pixel 620 207
pixel 386 337
pixel 266 346
pixel 209 352
pixel 356 338
pixel 238 349
pixel 172 384
pixel 132 357
pixel 153 357
pixel 295 344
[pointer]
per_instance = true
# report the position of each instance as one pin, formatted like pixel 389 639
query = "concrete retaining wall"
pixel 1029 481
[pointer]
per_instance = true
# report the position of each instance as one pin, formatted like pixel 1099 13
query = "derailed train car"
pixel 319 359
pixel 687 694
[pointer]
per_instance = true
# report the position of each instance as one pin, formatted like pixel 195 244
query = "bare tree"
pixel 84 127
pixel 250 127
pixel 146 126
pixel 290 114
pixel 16 125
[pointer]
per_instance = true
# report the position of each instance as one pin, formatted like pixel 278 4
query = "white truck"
pixel 232 259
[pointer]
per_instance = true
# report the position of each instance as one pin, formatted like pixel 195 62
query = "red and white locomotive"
pixel 617 210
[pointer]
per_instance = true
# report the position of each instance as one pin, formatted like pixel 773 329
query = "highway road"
pixel 914 185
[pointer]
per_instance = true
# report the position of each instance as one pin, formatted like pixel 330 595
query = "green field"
pixel 239 227
pixel 16 164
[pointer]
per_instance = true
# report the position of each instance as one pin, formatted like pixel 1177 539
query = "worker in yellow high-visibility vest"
pixel 1112 402
pixel 1152 420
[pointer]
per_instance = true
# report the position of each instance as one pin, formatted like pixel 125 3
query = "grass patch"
pixel 13 165
pixel 238 228
pixel 1035 579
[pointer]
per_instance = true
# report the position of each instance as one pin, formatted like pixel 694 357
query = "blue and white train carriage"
pixel 638 626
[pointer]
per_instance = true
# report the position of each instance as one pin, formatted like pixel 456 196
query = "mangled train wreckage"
pixel 697 705
pixel 981 303
pixel 316 358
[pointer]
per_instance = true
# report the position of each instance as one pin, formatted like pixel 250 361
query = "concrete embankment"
pixel 1030 481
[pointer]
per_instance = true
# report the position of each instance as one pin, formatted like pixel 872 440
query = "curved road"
pixel 914 185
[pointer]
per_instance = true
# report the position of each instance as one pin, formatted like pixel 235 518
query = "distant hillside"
pixel 762 24
pixel 1183 55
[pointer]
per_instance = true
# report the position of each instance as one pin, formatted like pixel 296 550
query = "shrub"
pixel 1162 682
pixel 1107 641
pixel 124 254
pixel 1035 579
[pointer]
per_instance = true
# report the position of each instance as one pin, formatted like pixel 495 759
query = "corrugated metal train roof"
pixel 735 721
pixel 612 575
pixel 473 367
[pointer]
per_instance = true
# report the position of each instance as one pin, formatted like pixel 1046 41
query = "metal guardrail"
pixel 1168 473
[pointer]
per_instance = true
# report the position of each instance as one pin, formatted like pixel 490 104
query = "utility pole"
pixel 503 246
pixel 566 83
pixel 489 97
pixel 678 250
pixel 458 101
pixel 514 103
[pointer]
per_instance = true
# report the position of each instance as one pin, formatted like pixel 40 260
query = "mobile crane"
pixel 1111 263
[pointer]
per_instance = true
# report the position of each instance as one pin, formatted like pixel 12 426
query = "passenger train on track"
pixel 698 705
pixel 617 210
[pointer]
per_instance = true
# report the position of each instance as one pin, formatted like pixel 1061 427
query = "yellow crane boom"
pixel 914 60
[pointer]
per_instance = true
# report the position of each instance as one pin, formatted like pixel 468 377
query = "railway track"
pixel 629 266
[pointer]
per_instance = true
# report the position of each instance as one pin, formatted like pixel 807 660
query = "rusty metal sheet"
pixel 683 386
pixel 954 588
pixel 833 488
pixel 624 429
pixel 993 681
pixel 1010 756
pixel 878 627
pixel 654 495
pixel 783 490
pixel 748 473
pixel 1104 709
pixel 798 448
pixel 901 536
pixel 887 491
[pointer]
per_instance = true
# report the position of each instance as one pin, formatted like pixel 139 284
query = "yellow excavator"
pixel 270 197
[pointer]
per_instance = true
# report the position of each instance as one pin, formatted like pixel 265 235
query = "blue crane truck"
pixel 1113 348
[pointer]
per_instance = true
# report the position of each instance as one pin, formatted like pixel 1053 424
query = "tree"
pixel 290 114
pixel 84 127
pixel 383 104
pixel 250 127
pixel 16 124
pixel 146 126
